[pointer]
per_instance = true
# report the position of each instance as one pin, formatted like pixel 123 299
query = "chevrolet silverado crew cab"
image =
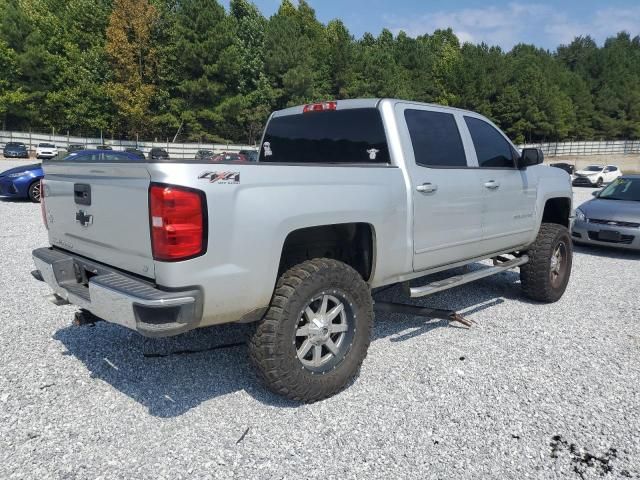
pixel 345 196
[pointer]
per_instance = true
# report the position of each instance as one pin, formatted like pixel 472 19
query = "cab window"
pixel 435 138
pixel 492 149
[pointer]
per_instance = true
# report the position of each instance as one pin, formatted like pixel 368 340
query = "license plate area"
pixel 609 235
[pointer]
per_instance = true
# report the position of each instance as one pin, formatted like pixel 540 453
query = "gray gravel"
pixel 531 391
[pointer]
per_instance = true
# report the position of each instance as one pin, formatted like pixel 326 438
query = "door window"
pixel 435 138
pixel 492 149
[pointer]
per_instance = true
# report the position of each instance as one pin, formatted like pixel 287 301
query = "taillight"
pixel 320 107
pixel 42 207
pixel 178 222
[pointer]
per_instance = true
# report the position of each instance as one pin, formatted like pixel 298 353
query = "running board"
pixel 447 283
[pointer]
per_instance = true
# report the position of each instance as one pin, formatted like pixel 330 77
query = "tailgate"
pixel 101 211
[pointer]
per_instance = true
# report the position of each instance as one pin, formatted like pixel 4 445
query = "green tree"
pixel 133 58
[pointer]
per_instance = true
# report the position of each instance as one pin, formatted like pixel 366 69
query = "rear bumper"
pixel 119 298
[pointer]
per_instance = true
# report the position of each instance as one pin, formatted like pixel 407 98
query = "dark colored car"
pixel 103 147
pixel 252 155
pixel 15 150
pixel 204 155
pixel 157 153
pixel 229 157
pixel 567 167
pixel 75 147
pixel 612 218
pixel 98 155
pixel 22 182
pixel 135 151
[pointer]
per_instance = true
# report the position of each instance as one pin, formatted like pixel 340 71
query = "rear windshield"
pixel 340 136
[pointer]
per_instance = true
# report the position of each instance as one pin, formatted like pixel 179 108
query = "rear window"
pixel 435 138
pixel 340 136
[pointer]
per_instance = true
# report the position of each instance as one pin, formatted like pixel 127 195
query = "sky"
pixel 543 23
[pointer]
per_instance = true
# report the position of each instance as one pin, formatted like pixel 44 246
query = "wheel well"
pixel 351 243
pixel 557 210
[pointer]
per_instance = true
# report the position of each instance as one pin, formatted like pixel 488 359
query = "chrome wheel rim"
pixel 324 332
pixel 558 265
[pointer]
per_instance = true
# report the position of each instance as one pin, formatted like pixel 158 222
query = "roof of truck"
pixel 365 103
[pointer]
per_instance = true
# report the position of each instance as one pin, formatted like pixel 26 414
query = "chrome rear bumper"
pixel 116 297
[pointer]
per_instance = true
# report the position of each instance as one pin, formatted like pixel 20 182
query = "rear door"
pixel 447 194
pixel 98 207
pixel 508 217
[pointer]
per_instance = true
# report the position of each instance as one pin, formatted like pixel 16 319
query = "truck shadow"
pixel 170 376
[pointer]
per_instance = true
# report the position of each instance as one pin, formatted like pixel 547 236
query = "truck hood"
pixel 587 173
pixel 613 210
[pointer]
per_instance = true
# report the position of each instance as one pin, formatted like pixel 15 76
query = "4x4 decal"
pixel 221 177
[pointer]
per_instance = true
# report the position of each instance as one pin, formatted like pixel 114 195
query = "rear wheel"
pixel 34 192
pixel 316 333
pixel 546 276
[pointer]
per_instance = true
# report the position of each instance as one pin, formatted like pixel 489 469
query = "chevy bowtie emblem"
pixel 84 219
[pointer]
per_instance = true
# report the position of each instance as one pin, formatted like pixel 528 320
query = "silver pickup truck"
pixel 346 196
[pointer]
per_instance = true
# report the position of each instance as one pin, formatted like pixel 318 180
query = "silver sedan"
pixel 612 218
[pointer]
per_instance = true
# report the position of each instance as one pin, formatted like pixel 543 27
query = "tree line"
pixel 192 70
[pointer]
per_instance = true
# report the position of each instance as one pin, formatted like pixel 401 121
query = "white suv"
pixel 596 175
pixel 46 150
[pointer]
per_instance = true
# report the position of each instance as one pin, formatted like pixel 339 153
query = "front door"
pixel 509 216
pixel 447 195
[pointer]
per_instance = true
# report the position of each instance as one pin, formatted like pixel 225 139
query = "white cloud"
pixel 541 24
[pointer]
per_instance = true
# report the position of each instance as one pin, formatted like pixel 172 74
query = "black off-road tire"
pixel 34 192
pixel 537 276
pixel 272 347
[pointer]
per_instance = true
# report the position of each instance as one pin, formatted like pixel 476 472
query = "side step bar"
pixel 499 265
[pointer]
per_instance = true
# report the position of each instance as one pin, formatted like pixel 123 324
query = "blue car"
pixel 24 182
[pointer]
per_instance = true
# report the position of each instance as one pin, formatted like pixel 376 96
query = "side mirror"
pixel 530 157
pixel 596 193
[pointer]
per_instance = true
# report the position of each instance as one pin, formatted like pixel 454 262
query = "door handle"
pixel 427 188
pixel 492 185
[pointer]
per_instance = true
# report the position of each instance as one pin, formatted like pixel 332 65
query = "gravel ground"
pixel 531 391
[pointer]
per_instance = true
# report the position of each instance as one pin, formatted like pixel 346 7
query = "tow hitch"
pixel 425 312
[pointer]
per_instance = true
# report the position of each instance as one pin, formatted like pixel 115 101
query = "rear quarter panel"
pixel 250 220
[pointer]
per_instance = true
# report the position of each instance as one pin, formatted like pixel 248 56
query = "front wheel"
pixel 34 192
pixel 546 276
pixel 316 333
pixel 599 182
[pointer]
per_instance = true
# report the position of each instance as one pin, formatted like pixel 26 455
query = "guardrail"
pixel 614 147
pixel 188 150
pixel 175 150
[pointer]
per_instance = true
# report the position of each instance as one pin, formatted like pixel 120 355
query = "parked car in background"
pixel 567 167
pixel 204 154
pixel 97 155
pixel 596 175
pixel 135 151
pixel 75 147
pixel 46 150
pixel 612 218
pixel 15 150
pixel 251 155
pixel 157 153
pixel 22 182
pixel 229 157
pixel 103 147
